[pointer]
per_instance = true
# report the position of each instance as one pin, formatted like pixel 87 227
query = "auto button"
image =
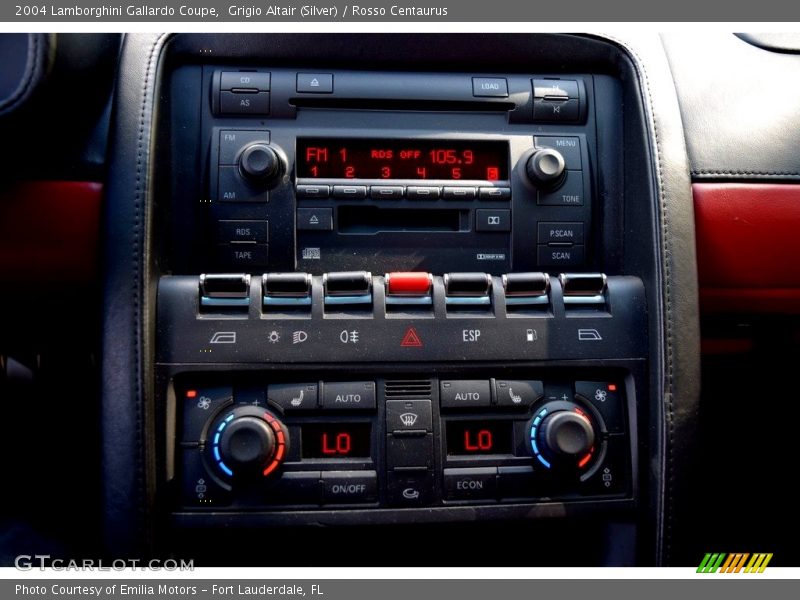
pixel 465 393
pixel 356 395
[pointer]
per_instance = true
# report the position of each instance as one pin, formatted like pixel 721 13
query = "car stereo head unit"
pixel 329 171
pixel 450 161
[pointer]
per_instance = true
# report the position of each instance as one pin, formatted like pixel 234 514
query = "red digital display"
pixel 402 159
pixel 335 440
pixel 478 437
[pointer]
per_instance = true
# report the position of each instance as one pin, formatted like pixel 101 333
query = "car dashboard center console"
pixel 388 295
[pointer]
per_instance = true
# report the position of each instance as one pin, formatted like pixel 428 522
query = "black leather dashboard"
pixel 739 104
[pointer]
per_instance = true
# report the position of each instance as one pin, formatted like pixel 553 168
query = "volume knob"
pixel 259 161
pixel 546 168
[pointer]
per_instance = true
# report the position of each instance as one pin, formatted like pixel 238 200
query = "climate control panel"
pixel 416 442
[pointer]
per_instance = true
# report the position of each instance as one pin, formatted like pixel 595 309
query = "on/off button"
pixel 349 487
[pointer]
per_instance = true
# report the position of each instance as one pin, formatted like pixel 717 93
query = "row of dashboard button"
pixel 396 192
pixel 295 397
pixel 480 393
pixel 404 488
pixel 231 291
pixel 293 487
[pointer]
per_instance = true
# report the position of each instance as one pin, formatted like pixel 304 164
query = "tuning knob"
pixel 546 168
pixel 562 435
pixel 259 162
pixel 248 442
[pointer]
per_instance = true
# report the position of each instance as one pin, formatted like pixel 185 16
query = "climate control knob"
pixel 259 162
pixel 563 435
pixel 248 442
pixel 567 433
pixel 546 168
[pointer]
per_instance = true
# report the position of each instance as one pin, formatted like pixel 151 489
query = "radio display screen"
pixel 330 158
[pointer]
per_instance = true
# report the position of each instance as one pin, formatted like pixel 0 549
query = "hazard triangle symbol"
pixel 411 339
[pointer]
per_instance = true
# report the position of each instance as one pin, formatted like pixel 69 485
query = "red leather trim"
pixel 748 247
pixel 50 228
pixel 726 345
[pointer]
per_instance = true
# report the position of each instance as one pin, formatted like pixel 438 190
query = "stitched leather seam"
pixel 668 307
pixel 770 173
pixel 668 303
pixel 138 282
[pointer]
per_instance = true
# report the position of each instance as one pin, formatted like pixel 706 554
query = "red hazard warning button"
pixel 408 284
pixel 411 339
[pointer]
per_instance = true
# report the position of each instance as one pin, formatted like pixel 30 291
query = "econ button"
pixel 470 484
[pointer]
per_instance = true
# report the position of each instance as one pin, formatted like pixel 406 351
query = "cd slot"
pixel 373 219
pixel 400 104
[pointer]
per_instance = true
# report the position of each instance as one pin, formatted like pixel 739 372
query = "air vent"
pixel 407 390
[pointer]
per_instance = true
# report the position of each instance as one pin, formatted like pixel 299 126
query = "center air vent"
pixel 408 389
